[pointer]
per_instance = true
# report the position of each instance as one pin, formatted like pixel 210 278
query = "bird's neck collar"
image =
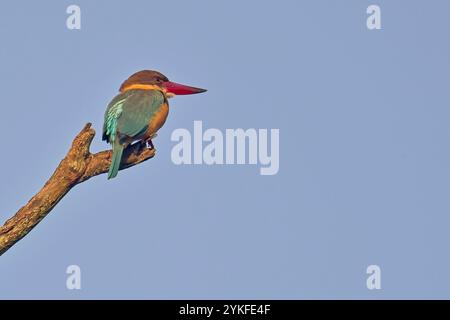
pixel 138 86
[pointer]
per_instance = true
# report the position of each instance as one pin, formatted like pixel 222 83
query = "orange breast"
pixel 158 119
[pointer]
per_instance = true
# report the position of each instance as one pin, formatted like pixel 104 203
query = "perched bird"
pixel 139 111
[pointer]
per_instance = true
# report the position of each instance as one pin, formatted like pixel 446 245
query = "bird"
pixel 138 111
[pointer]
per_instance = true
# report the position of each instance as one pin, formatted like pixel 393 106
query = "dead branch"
pixel 78 166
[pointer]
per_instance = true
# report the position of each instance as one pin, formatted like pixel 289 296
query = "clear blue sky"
pixel 364 175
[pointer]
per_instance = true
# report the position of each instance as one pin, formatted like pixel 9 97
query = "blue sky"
pixel 364 149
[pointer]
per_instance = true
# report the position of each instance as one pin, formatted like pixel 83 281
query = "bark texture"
pixel 78 166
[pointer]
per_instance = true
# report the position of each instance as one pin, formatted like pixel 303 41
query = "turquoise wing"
pixel 130 112
pixel 113 112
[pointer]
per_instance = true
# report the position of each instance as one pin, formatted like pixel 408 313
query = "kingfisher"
pixel 139 111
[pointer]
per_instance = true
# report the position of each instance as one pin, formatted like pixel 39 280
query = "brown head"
pixel 154 80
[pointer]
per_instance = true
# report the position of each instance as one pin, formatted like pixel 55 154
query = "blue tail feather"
pixel 116 159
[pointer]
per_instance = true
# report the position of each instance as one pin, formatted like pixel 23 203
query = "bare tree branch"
pixel 78 166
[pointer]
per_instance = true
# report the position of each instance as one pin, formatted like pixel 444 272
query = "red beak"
pixel 181 89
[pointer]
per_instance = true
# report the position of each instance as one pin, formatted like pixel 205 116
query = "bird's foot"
pixel 149 144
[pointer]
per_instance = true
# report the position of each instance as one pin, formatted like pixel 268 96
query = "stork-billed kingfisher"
pixel 139 111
